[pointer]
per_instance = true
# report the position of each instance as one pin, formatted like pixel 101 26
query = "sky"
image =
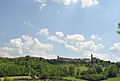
pixel 68 28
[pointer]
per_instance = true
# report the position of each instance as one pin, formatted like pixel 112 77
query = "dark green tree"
pixel 99 69
pixel 118 28
pixel 72 71
pixel 112 71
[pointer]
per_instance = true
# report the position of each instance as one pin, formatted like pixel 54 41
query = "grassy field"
pixel 17 77
pixel 74 79
pixel 68 78
pixel 110 79
pixel 113 79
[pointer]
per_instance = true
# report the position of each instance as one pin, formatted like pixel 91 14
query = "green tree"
pixel 78 71
pixel 99 69
pixel 72 71
pixel 118 28
pixel 112 71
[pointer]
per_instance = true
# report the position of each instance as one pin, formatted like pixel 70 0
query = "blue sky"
pixel 68 28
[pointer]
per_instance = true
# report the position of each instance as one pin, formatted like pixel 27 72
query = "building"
pixel 94 59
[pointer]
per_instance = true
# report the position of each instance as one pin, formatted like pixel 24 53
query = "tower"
pixel 58 57
pixel 91 58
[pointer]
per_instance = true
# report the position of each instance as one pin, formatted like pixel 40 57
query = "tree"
pixel 118 28
pixel 78 72
pixel 72 71
pixel 112 71
pixel 91 71
pixel 99 69
pixel 118 64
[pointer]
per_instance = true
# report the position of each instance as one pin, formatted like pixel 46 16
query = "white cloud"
pixel 84 3
pixel 56 39
pixel 26 45
pixel 71 47
pixel 88 3
pixel 115 47
pixel 75 38
pixel 43 31
pixel 88 46
pixel 95 37
pixel 43 5
pixel 60 34
pixel 28 24
pixel 66 2
pixel 77 43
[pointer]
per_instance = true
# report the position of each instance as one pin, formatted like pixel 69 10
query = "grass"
pixel 73 79
pixel 16 77
pixel 68 78
pixel 112 79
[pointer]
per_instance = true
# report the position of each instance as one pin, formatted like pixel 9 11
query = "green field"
pixel 68 78
pixel 113 79
pixel 74 79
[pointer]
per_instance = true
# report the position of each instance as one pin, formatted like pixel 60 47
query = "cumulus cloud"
pixel 43 31
pixel 66 2
pixel 56 39
pixel 71 47
pixel 75 38
pixel 87 46
pixel 60 34
pixel 43 5
pixel 77 43
pixel 88 3
pixel 84 3
pixel 95 37
pixel 26 45
pixel 115 47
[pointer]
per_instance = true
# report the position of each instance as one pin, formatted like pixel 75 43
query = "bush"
pixel 8 79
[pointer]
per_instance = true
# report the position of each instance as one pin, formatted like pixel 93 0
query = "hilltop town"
pixel 91 59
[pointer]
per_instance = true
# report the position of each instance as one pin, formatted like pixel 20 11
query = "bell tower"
pixel 58 57
pixel 91 58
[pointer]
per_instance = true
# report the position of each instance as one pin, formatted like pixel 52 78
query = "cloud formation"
pixel 26 45
pixel 56 39
pixel 84 3
pixel 88 3
pixel 115 47
pixel 95 37
pixel 60 34
pixel 43 31
pixel 77 43
pixel 75 38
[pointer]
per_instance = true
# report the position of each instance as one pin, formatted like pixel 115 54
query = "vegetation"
pixel 118 28
pixel 55 70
